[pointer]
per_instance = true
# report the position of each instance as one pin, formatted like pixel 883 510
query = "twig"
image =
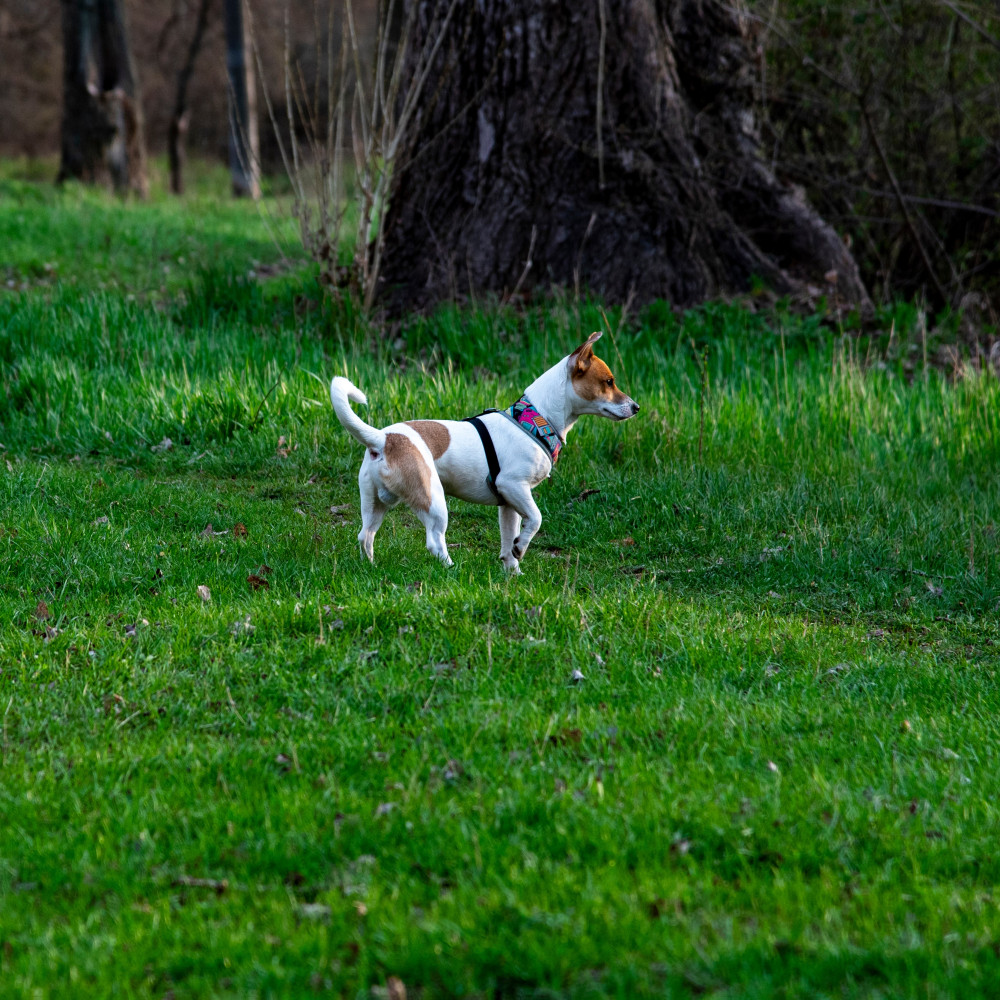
pixel 232 705
pixel 900 200
pixel 975 25
pixel 528 264
pixel 600 93
pixel 253 421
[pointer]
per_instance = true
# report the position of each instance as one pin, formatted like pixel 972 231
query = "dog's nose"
pixel 635 407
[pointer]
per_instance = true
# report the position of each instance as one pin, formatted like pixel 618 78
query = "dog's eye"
pixel 611 381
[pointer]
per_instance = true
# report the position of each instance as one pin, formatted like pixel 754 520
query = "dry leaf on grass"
pixel 258 582
pixel 42 611
pixel 239 530
pixel 165 445
pixel 204 593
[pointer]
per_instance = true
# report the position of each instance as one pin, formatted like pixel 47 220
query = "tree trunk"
pixel 102 128
pixel 608 144
pixel 244 139
pixel 179 120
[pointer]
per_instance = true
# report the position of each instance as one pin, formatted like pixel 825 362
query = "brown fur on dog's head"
pixel 592 378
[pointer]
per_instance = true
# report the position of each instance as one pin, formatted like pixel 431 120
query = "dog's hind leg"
pixel 372 512
pixel 510 525
pixel 435 521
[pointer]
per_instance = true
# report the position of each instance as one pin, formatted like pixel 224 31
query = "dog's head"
pixel 593 384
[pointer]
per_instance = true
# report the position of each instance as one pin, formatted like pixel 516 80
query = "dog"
pixel 496 458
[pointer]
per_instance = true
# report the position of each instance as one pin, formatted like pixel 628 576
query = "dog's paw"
pixel 517 551
pixel 511 565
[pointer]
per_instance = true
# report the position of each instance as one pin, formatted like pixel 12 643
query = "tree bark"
pixel 244 138
pixel 608 144
pixel 102 126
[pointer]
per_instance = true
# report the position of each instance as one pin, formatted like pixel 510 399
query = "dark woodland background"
pixel 886 113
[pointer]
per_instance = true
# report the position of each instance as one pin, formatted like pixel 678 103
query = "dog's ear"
pixel 579 360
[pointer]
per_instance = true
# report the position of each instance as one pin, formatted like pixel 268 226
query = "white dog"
pixel 496 458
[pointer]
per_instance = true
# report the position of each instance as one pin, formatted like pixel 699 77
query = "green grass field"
pixel 778 778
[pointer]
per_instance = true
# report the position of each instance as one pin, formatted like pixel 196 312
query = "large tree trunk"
pixel 607 144
pixel 244 138
pixel 102 128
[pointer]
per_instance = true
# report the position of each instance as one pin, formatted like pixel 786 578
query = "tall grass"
pixel 776 778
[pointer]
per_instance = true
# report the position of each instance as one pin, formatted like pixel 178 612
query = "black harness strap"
pixel 492 462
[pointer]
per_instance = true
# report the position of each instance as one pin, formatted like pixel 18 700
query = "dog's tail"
pixel 342 390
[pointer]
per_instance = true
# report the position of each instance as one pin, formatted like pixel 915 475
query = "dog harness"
pixel 526 418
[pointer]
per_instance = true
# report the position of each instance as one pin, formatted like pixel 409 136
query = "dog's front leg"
pixel 510 525
pixel 519 497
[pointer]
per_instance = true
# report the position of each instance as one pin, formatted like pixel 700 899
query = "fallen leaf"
pixel 383 808
pixel 165 445
pixel 566 737
pixel 576 677
pixel 103 519
pixel 239 530
pixel 218 886
pixel 42 611
pixel 836 669
pixel 395 990
pixel 586 493
pixel 771 766
pixel 623 541
pixel 258 582
pixel 264 570
pixel 204 593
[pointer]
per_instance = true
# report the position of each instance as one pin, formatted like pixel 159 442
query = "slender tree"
pixel 102 126
pixel 244 140
pixel 601 143
pixel 180 118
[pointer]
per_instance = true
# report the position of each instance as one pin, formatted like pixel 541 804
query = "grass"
pixel 778 777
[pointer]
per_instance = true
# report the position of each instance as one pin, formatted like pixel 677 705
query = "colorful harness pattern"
pixel 525 418
pixel 524 414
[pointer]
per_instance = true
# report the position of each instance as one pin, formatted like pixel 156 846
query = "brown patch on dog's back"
pixel 406 473
pixel 435 435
